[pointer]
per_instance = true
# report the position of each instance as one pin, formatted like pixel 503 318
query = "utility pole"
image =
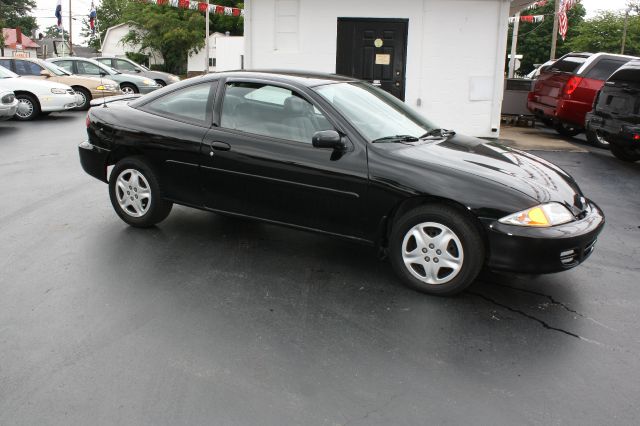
pixel 624 31
pixel 206 40
pixel 554 35
pixel 514 44
pixel 70 31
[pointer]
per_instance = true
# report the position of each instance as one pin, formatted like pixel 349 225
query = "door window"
pixel 27 68
pixel 122 65
pixel 189 104
pixel 271 111
pixel 65 65
pixel 5 63
pixel 88 68
pixel 604 68
pixel 105 61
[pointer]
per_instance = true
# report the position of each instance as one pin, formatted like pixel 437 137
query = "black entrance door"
pixel 374 50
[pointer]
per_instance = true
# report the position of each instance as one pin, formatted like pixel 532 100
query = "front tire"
pixel 135 194
pixel 567 130
pixel 128 89
pixel 28 107
pixel 625 153
pixel 596 138
pixel 436 249
pixel 86 98
pixel 161 83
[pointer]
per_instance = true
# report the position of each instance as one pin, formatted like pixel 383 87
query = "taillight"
pixel 88 121
pixel 571 85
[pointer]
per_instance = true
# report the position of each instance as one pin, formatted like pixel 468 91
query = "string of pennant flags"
pixel 200 6
pixel 527 18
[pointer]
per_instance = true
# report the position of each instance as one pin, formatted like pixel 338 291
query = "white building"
pixel 113 44
pixel 226 53
pixel 445 58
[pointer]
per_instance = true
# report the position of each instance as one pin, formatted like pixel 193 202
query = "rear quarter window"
pixel 603 69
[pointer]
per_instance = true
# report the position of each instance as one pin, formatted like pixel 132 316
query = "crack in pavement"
pixel 555 302
pixel 524 314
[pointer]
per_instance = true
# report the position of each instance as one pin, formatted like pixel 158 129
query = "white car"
pixel 8 104
pixel 37 96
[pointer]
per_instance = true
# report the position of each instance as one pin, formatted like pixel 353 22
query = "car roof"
pixel 302 78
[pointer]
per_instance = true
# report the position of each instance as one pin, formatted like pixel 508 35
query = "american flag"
pixel 59 13
pixel 563 20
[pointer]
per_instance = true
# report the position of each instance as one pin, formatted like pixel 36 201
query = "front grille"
pixel 8 99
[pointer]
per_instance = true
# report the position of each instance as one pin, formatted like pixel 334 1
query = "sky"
pixel 46 8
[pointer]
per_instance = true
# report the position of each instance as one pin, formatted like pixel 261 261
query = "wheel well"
pixel 159 80
pixel 84 89
pixel 24 92
pixel 411 203
pixel 120 153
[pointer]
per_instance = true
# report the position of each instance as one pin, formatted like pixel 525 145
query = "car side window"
pixel 6 63
pixel 65 65
pixel 27 68
pixel 604 68
pixel 105 61
pixel 190 103
pixel 272 111
pixel 88 68
pixel 122 65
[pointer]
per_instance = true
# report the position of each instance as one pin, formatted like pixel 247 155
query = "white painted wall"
pixel 456 48
pixel 112 45
pixel 228 51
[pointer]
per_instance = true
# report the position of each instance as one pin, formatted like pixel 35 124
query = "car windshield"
pixel 568 64
pixel 375 113
pixel 54 68
pixel 5 73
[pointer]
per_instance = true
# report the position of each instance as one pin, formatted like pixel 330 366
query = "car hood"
pixel 518 170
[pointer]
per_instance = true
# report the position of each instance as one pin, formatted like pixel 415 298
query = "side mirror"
pixel 138 70
pixel 327 139
pixel 45 73
pixel 103 74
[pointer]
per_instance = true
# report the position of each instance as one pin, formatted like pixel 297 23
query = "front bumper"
pixel 99 94
pixel 93 160
pixel 53 103
pixel 7 111
pixel 543 250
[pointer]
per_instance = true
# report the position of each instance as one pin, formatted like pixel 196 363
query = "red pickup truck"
pixel 564 92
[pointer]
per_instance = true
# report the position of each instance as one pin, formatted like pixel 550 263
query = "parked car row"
pixel 64 83
pixel 592 93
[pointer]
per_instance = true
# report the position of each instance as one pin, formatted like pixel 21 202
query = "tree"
pixel 223 23
pixel 534 39
pixel 15 13
pixel 54 32
pixel 603 33
pixel 171 31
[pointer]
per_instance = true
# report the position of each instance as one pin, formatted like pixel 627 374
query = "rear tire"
pixel 135 193
pixel 567 130
pixel 596 138
pixel 436 249
pixel 625 153
pixel 28 107
pixel 547 122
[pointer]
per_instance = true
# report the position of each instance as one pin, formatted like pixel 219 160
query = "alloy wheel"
pixel 84 99
pixel 601 140
pixel 432 253
pixel 133 193
pixel 127 90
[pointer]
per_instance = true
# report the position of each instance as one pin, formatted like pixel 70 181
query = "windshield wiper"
pixel 397 138
pixel 441 133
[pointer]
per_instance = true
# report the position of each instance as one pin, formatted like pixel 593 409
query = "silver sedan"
pixel 8 104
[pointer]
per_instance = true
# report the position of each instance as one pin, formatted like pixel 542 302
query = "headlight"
pixel 149 82
pixel 109 87
pixel 544 215
pixel 57 91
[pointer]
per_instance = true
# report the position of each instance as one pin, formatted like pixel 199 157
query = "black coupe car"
pixel 338 156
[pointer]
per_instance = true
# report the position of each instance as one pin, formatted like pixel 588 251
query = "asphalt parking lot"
pixel 217 321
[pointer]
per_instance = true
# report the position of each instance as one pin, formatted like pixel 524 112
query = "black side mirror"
pixel 103 74
pixel 138 70
pixel 327 139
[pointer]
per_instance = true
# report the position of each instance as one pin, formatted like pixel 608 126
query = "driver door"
pixel 260 162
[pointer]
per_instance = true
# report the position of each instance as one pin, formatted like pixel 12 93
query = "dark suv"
pixel 616 112
pixel 564 92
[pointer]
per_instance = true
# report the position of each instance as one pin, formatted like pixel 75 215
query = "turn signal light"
pixel 572 85
pixel 636 137
pixel 88 121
